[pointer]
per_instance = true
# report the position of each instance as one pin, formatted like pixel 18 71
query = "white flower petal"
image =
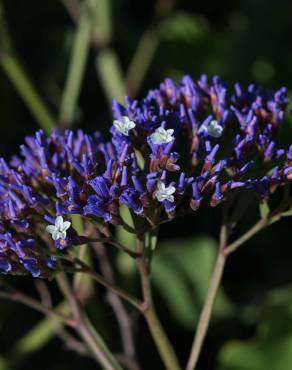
pixel 63 235
pixel 161 186
pixel 162 136
pixel 131 125
pixel 156 138
pixel 214 129
pixel 66 225
pixel 160 196
pixel 51 228
pixel 56 235
pixel 58 230
pixel 165 193
pixel 170 190
pixel 124 125
pixel 59 222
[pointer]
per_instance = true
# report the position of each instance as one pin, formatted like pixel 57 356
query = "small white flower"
pixel 165 193
pixel 162 136
pixel 124 125
pixel 214 129
pixel 58 230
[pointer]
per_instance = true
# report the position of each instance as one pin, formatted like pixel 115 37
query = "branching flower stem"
pixel 223 252
pixel 17 296
pixel 206 313
pixel 85 329
pixel 116 244
pixel 159 336
pixel 84 268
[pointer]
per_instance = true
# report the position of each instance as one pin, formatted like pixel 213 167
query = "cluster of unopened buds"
pixel 182 147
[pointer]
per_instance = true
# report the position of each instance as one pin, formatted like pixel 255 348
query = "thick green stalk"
pixel 141 60
pixel 77 66
pixel 26 90
pixel 110 74
pixel 107 63
pixel 164 347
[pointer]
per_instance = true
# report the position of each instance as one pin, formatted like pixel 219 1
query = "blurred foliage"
pixel 271 348
pixel 174 270
pixel 132 46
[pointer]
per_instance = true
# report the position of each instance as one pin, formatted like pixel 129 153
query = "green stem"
pixel 224 251
pixel 18 77
pixel 262 223
pixel 86 330
pixel 146 48
pixel 26 90
pixel 141 60
pixel 82 283
pixel 110 74
pixel 72 7
pixel 77 66
pixel 206 313
pixel 159 336
pixel 107 284
pixel 37 337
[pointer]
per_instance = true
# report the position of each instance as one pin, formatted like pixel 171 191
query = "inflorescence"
pixel 181 147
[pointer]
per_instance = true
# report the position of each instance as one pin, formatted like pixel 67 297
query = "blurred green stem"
pixel 18 77
pixel 110 74
pixel 107 62
pixel 25 89
pixel 85 329
pixel 77 65
pixel 146 48
pixel 82 284
pixel 72 7
pixel 141 60
pixel 37 337
pixel 159 336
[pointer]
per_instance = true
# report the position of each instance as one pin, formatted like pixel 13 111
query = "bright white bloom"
pixel 124 125
pixel 162 136
pixel 164 193
pixel 214 129
pixel 58 230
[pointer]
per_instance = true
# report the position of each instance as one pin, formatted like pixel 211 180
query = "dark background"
pixel 246 41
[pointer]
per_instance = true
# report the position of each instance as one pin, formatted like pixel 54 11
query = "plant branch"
pixel 85 329
pixel 206 313
pixel 159 336
pixel 101 280
pixel 72 7
pixel 20 80
pixel 19 297
pixel 224 251
pixel 121 313
pixel 146 48
pixel 77 66
pixel 118 245
pixel 261 224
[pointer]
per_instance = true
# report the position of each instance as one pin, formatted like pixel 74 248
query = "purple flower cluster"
pixel 180 147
